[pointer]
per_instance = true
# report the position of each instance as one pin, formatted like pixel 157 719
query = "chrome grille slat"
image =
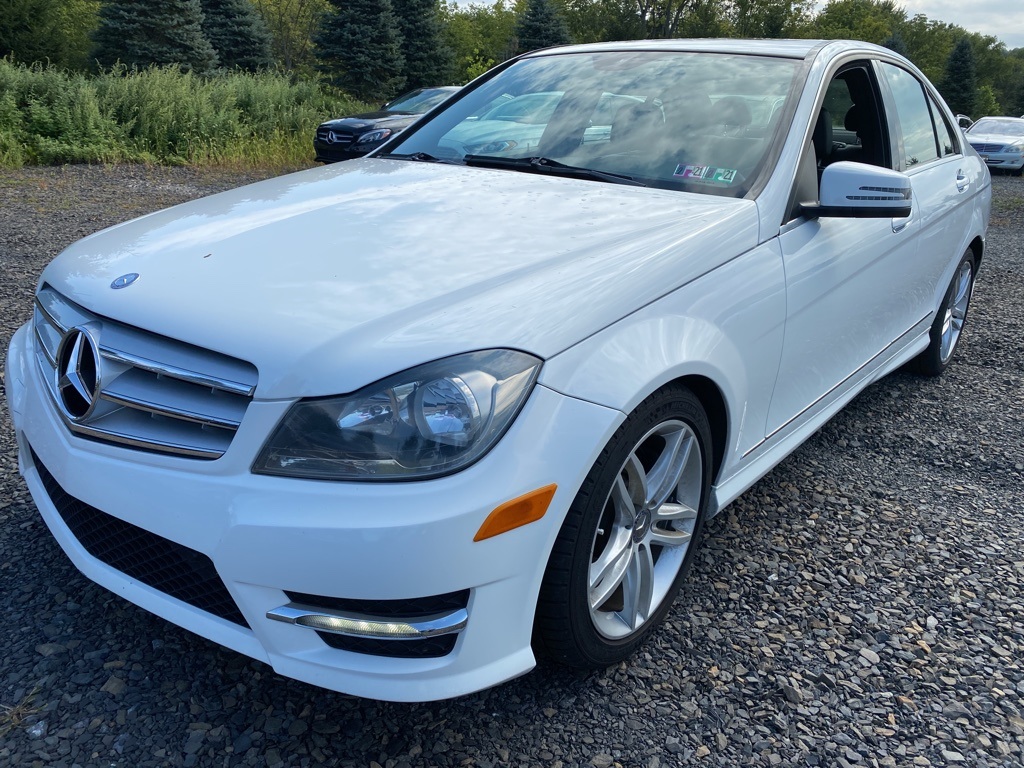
pixel 159 446
pixel 182 374
pixel 48 316
pixel 137 389
pixel 156 394
pixel 51 356
pixel 174 413
pixel 340 139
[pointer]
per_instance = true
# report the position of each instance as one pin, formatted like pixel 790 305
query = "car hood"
pixel 373 120
pixel 332 278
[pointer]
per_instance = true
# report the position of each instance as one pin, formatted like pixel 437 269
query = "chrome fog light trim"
pixel 374 627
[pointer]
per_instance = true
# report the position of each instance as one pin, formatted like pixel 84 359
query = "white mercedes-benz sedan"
pixel 396 426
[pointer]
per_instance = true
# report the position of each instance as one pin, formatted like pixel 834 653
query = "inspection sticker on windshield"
pixel 705 173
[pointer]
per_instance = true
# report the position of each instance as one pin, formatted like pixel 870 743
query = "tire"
pixel 627 543
pixel 949 321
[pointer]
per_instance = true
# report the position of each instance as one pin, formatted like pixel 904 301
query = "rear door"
pixel 930 152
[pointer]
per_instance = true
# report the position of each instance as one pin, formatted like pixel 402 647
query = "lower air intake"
pixel 160 563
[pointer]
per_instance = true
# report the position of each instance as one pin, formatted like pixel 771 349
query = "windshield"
pixel 1008 126
pixel 696 121
pixel 418 101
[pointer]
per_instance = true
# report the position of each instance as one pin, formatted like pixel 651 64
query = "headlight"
pixel 1013 149
pixel 429 421
pixel 372 136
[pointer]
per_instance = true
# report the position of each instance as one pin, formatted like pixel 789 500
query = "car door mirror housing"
pixel 856 190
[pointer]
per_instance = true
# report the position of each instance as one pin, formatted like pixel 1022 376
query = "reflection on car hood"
pixel 332 278
pixel 373 120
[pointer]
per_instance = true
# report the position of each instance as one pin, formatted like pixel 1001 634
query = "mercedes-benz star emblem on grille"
pixel 125 280
pixel 78 373
pixel 331 138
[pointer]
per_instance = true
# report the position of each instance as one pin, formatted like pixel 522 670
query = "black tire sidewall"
pixel 572 637
pixel 930 362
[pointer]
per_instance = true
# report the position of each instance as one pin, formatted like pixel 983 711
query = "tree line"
pixel 373 49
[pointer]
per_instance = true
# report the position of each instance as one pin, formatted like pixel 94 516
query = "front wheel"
pixel 630 534
pixel 949 321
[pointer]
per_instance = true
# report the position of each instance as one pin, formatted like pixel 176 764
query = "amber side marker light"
pixel 517 513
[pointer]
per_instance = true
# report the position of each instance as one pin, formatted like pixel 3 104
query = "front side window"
pixel 919 141
pixel 691 121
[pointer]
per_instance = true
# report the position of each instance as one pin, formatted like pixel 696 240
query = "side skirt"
pixel 777 446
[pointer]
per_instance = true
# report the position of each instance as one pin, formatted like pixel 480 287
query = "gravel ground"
pixel 863 605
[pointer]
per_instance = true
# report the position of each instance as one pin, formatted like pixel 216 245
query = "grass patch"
pixel 160 115
pixel 1007 209
pixel 17 715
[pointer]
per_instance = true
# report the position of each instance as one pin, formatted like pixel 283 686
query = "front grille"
pixel 987 149
pixel 153 393
pixel 160 563
pixel 340 140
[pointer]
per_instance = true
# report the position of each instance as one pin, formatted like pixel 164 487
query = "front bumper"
pixel 1004 161
pixel 266 536
pixel 335 153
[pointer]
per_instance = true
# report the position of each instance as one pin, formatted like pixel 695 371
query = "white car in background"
pixel 1000 142
pixel 394 426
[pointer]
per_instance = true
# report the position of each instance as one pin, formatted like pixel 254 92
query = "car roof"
pixel 790 49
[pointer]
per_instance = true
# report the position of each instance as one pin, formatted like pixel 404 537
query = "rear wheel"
pixel 630 535
pixel 949 321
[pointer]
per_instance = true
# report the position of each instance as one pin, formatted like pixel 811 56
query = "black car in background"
pixel 350 137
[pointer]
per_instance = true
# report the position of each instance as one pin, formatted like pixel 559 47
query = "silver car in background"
pixel 1000 142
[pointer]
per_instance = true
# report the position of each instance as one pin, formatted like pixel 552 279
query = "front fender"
pixel 726 326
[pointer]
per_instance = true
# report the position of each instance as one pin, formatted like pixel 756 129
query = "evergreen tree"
pixel 238 33
pixel 896 44
pixel 427 60
pixel 27 28
pixel 960 86
pixel 54 31
pixel 141 33
pixel 540 26
pixel 359 48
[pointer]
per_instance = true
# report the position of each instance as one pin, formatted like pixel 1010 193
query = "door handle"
pixel 962 182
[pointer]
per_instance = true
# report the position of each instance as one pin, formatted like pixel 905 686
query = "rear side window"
pixel 948 145
pixel 920 144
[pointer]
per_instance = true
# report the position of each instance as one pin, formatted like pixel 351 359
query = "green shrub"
pixel 160 115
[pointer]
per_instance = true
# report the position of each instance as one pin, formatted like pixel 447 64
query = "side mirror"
pixel 858 191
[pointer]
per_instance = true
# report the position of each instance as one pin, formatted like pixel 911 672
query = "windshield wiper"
pixel 420 157
pixel 547 165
